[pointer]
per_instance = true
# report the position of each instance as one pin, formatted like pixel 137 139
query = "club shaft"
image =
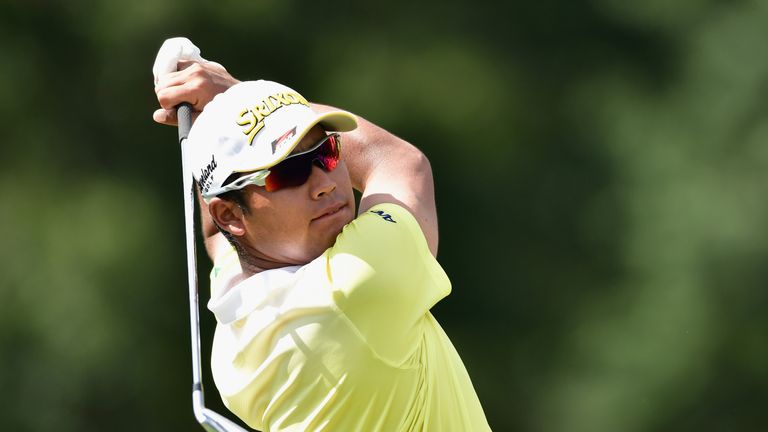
pixel 184 115
pixel 210 420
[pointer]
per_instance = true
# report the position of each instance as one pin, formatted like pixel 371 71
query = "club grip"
pixel 184 116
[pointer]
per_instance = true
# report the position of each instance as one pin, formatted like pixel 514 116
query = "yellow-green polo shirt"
pixel 346 342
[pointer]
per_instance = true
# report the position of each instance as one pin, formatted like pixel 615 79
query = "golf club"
pixel 210 420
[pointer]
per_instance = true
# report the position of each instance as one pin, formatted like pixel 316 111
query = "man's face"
pixel 296 225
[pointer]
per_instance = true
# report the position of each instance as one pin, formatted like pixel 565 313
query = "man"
pixel 323 312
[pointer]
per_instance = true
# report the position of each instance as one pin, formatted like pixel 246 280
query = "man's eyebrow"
pixel 306 145
pixel 299 148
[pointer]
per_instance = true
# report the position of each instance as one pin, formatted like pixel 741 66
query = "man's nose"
pixel 320 182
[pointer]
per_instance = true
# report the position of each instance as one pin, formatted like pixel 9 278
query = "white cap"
pixel 252 126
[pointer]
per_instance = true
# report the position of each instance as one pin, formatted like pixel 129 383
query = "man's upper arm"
pixel 387 169
pixel 385 279
pixel 413 189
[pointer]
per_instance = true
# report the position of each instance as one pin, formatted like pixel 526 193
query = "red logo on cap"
pixel 276 143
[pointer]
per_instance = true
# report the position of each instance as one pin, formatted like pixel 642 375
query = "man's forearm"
pixel 370 149
pixel 208 227
pixel 212 238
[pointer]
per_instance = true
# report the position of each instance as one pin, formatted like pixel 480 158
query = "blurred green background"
pixel 601 184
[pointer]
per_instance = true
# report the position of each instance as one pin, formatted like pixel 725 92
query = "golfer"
pixel 323 310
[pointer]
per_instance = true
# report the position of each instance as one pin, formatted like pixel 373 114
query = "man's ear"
pixel 227 215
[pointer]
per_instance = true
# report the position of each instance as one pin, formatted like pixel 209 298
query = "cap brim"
pixel 335 121
pixel 331 121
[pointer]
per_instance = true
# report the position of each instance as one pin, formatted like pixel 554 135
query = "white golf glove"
pixel 171 52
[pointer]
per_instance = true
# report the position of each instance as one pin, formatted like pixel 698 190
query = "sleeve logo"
pixel 384 216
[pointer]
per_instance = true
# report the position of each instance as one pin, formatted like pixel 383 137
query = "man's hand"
pixel 194 82
pixel 183 75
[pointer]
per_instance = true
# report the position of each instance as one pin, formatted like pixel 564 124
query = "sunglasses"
pixel 295 169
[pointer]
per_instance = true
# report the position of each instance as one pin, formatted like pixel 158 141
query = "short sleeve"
pixel 384 279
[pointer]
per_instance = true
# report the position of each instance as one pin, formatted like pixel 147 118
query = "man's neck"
pixel 253 262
